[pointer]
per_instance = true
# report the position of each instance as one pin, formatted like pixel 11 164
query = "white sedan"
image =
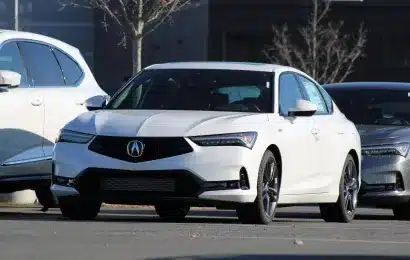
pixel 245 136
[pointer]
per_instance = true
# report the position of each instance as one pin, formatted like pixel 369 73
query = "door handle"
pixel 79 103
pixel 37 102
pixel 315 131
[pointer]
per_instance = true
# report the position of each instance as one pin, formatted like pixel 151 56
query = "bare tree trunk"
pixel 314 39
pixel 136 54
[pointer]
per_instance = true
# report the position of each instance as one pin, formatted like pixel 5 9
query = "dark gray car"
pixel 381 112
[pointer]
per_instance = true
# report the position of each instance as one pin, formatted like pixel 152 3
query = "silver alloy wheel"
pixel 270 190
pixel 350 188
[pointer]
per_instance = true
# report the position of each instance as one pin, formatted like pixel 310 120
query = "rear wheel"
pixel 172 212
pixel 345 207
pixel 402 211
pixel 79 209
pixel 262 211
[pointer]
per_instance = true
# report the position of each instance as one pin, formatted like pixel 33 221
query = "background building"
pixel 238 30
pixel 232 30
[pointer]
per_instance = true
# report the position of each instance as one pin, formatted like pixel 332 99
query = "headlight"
pixel 247 139
pixel 69 136
pixel 401 149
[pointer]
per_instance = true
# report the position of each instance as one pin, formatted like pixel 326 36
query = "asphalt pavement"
pixel 130 234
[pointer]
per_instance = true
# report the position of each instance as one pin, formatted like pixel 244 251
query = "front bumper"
pixel 208 175
pixel 385 199
pixel 385 181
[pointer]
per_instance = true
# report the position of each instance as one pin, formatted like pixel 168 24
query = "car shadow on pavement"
pixel 317 216
pixel 149 215
pixel 280 216
pixel 286 257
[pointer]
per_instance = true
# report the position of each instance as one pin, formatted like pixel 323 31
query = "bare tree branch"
pixel 326 53
pixel 134 19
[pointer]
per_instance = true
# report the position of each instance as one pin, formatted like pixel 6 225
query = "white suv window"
pixel 72 72
pixel 10 59
pixel 46 74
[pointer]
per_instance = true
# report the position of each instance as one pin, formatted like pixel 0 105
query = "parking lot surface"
pixel 129 234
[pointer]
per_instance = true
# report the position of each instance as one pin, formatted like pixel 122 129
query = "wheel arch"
pixel 276 152
pixel 355 156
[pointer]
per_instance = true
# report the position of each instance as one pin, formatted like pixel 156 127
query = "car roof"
pixel 6 35
pixel 368 85
pixel 223 65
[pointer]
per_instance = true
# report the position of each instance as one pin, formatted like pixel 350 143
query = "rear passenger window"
pixel 71 71
pixel 41 64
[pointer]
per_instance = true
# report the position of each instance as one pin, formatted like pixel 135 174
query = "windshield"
pixel 373 106
pixel 197 89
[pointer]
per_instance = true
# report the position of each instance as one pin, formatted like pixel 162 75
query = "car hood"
pixel 382 134
pixel 164 123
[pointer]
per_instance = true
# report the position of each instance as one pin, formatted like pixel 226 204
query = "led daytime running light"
pixel 401 149
pixel 69 136
pixel 247 139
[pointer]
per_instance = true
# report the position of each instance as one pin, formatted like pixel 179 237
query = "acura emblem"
pixel 135 148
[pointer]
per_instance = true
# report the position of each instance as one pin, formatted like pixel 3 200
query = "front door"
pixel 326 131
pixel 297 165
pixel 21 118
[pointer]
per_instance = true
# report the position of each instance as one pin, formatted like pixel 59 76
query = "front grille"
pixel 154 147
pixel 138 184
pixel 95 182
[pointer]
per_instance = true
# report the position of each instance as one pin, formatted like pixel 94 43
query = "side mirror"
pixel 96 102
pixel 303 108
pixel 9 79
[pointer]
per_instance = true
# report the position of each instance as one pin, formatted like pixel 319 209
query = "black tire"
pixel 402 211
pixel 268 187
pixel 79 209
pixel 344 209
pixel 172 212
pixel 46 198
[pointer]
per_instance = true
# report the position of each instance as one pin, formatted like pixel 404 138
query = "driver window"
pixel 314 95
pixel 289 93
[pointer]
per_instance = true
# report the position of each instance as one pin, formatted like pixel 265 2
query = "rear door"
pixel 58 77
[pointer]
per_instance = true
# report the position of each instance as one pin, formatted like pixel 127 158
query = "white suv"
pixel 44 83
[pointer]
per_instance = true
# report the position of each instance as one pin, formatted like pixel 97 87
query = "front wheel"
pixel 262 211
pixel 79 209
pixel 343 210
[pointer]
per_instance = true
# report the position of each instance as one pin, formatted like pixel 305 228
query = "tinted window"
pixel 313 95
pixel 240 93
pixel 289 93
pixel 10 59
pixel 373 106
pixel 196 89
pixel 41 64
pixel 328 99
pixel 71 71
